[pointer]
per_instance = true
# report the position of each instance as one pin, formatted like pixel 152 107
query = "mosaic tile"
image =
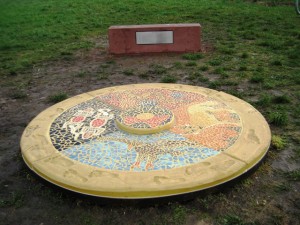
pixel 146 118
pixel 202 128
pixel 114 155
pixel 82 123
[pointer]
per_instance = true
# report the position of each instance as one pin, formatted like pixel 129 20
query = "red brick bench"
pixel 154 38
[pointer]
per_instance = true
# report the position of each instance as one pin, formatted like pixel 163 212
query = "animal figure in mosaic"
pixel 77 121
pixel 149 152
pixel 96 125
pixel 218 137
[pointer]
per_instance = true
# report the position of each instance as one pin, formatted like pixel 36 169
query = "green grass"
pixel 215 62
pixel 193 56
pixel 276 63
pixel 157 69
pixel 191 64
pixel 128 72
pixel 257 78
pixel 282 187
pixel 168 79
pixel 18 94
pixel 80 74
pixel 245 55
pixel 55 98
pixel 264 100
pixel 102 75
pixel 214 84
pixel 278 142
pixel 194 75
pixel 178 65
pixel 179 214
pixel 219 70
pixel 281 99
pixel 16 199
pixel 293 175
pixel 204 68
pixel 231 220
pixel 33 31
pixel 278 118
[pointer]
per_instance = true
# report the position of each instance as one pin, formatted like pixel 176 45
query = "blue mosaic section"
pixel 190 155
pixel 150 138
pixel 114 155
pixel 108 155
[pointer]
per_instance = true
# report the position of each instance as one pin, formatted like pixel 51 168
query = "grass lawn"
pixel 251 49
pixel 33 31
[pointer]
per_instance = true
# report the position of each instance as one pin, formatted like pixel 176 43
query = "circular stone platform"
pixel 145 140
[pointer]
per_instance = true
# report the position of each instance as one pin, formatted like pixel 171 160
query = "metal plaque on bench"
pixel 154 37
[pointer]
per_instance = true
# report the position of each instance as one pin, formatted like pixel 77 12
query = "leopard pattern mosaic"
pixel 203 128
pixel 146 115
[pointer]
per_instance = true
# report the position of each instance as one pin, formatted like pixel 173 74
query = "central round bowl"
pixel 145 120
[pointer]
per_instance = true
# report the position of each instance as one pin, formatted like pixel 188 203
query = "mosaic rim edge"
pixel 128 191
pixel 146 194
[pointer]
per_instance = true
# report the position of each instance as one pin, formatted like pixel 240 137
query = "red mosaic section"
pixel 98 122
pixel 78 119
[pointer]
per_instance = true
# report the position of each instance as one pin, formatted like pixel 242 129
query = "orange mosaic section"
pixel 210 123
pixel 218 137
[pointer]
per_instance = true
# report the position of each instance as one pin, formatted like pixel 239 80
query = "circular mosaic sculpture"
pixel 145 140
